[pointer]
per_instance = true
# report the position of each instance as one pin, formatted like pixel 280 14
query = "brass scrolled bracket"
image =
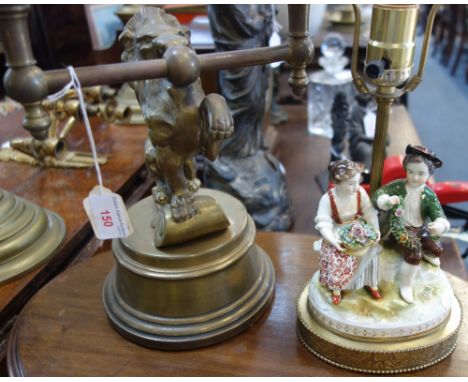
pixel 417 79
pixel 413 82
pixel 358 81
pixel 52 151
pixel 390 52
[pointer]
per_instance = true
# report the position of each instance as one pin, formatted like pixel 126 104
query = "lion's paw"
pixel 194 185
pixel 222 129
pixel 182 208
pixel 159 195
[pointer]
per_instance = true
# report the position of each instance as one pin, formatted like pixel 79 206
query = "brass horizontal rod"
pixel 118 73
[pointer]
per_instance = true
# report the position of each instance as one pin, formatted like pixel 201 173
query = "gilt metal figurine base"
pixel 188 295
pixel 369 355
pixel 29 235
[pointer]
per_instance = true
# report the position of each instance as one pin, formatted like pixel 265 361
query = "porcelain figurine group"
pixel 411 220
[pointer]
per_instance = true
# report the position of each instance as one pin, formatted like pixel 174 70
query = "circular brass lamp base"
pixel 189 295
pixel 196 331
pixel 29 235
pixel 374 357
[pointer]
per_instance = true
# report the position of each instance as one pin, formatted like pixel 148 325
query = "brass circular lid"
pixel 139 252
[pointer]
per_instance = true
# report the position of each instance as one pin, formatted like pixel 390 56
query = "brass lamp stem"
pixel 378 148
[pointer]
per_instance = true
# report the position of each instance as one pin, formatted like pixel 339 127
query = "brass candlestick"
pixel 29 235
pixel 388 66
pixel 25 83
pixel 126 97
pixel 53 151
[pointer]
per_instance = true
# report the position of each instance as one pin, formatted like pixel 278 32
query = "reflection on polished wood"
pixel 62 191
pixel 63 330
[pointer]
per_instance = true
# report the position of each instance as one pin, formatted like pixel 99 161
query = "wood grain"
pixel 63 330
pixel 63 190
pixel 304 157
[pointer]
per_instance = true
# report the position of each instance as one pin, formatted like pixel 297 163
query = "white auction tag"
pixel 274 40
pixel 106 210
pixel 369 124
pixel 107 214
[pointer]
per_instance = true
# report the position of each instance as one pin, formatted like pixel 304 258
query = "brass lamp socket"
pixel 390 50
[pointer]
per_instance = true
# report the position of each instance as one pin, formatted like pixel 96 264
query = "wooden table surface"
pixel 63 190
pixel 63 330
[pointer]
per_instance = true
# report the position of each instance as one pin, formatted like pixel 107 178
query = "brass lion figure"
pixel 182 121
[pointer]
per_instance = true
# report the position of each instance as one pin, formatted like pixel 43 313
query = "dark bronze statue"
pixel 339 122
pixel 245 168
pixel 182 121
pixel 348 123
pixel 360 145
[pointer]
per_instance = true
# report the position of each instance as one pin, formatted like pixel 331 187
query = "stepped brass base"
pixel 372 357
pixel 190 295
pixel 29 235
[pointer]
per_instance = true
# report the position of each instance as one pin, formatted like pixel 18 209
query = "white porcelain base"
pixel 391 318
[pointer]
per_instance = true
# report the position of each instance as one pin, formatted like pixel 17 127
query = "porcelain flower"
pixel 399 212
pixel 358 233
